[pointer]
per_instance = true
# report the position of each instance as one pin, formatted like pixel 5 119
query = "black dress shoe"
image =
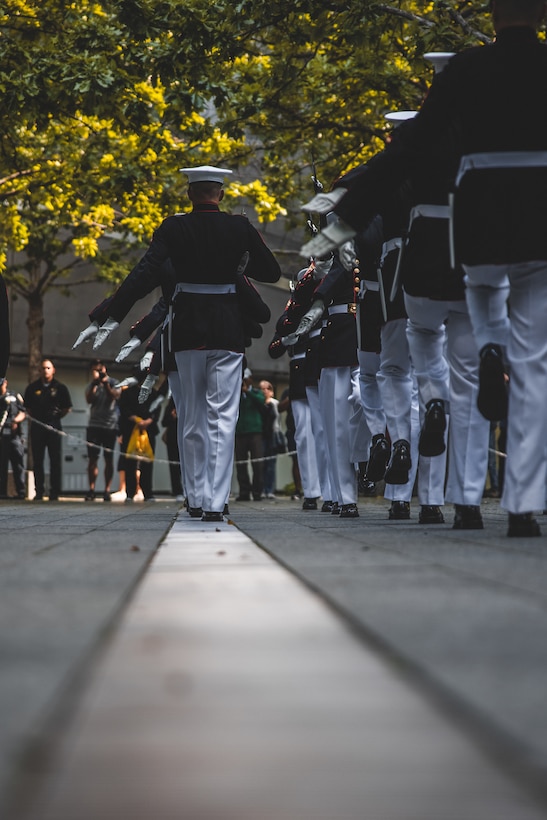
pixel 309 504
pixel 399 511
pixel 378 459
pixel 195 512
pixel 226 510
pixel 243 498
pixel 349 511
pixel 399 463
pixel 492 398
pixel 523 525
pixel 335 508
pixel 212 516
pixel 327 506
pixel 364 486
pixel 431 441
pixel 430 514
pixel 467 517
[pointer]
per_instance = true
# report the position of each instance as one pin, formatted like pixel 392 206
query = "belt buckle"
pixel 352 308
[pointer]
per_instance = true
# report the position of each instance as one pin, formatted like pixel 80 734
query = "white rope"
pixel 83 441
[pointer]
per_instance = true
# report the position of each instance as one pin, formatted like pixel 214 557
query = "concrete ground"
pixel 283 665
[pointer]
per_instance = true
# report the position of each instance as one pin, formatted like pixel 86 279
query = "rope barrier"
pixel 167 461
pixel 82 441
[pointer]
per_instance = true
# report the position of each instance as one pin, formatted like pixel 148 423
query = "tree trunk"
pixel 35 325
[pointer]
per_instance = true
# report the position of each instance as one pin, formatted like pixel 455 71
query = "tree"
pixel 73 178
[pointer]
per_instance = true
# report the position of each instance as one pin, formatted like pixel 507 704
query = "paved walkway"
pixel 214 683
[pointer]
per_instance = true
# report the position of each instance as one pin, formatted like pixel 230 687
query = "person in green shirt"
pixel 248 442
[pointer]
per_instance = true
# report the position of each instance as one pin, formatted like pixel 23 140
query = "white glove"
pixel 86 335
pixel 129 382
pixel 128 348
pixel 329 239
pixel 307 322
pixel 146 360
pixel 104 332
pixel 321 267
pixel 347 255
pixel 324 203
pixel 146 387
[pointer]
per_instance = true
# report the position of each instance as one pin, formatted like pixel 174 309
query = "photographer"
pixel 102 430
pixel 47 401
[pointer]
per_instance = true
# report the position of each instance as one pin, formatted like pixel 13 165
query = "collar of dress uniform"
pixel 206 206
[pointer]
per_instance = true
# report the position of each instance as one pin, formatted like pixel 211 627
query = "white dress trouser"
pixel 175 388
pixel 469 431
pixel 371 400
pixel 359 431
pixel 526 342
pixel 431 471
pixel 210 392
pixel 335 391
pixel 395 379
pixel 321 451
pixel 305 448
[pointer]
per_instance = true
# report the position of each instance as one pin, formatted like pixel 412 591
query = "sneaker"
pixel 399 511
pixel 430 514
pixel 128 500
pixel 467 517
pixel 349 511
pixel 296 497
pixel 90 495
pixel 179 498
pixel 523 525
pixel 431 441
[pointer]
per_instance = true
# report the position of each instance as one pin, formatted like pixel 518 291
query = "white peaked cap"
pixel 397 117
pixel 301 273
pixel 206 173
pixel 247 373
pixel 439 59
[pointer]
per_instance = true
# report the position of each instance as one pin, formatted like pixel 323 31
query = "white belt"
pixel 369 284
pixel 298 356
pixel 388 247
pixel 194 287
pixel 429 211
pixel 391 245
pixel 334 309
pixel 314 333
pixel 501 159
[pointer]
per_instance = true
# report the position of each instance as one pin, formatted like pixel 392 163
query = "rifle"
pixel 310 224
pixel 317 188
